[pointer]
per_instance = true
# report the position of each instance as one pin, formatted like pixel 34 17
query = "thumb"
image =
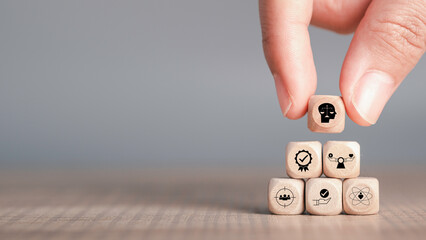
pixel 388 43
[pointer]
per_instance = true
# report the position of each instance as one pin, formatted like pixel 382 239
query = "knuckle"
pixel 267 43
pixel 346 26
pixel 347 21
pixel 266 40
pixel 271 40
pixel 405 34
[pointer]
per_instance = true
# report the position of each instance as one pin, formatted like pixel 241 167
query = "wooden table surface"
pixel 192 203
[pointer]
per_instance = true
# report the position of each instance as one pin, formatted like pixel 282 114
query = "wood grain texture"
pixel 361 196
pixel 192 204
pixel 341 159
pixel 293 189
pixel 303 159
pixel 331 109
pixel 328 204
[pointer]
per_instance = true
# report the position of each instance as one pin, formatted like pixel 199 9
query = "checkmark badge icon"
pixel 324 193
pixel 302 160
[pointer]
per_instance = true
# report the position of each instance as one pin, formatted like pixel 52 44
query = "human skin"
pixel 389 40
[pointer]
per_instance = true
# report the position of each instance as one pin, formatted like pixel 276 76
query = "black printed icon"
pixel 327 112
pixel 360 196
pixel 284 197
pixel 341 160
pixel 324 193
pixel 303 159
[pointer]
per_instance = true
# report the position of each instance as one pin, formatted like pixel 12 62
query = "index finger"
pixel 287 49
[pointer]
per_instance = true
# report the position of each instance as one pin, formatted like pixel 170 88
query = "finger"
pixel 388 43
pixel 287 49
pixel 342 16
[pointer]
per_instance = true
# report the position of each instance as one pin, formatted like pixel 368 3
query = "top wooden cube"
pixel 326 114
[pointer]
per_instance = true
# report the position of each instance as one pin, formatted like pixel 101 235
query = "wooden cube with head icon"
pixel 323 196
pixel 361 196
pixel 304 159
pixel 326 114
pixel 341 159
pixel 286 196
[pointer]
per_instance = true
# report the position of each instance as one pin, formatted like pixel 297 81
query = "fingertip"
pixel 369 96
pixel 347 83
pixel 290 108
pixel 293 96
pixel 346 88
pixel 355 116
pixel 300 105
pixel 296 113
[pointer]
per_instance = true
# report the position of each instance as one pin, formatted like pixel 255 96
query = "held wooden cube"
pixel 304 159
pixel 286 196
pixel 324 196
pixel 341 159
pixel 361 196
pixel 326 114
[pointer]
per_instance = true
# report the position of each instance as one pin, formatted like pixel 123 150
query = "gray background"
pixel 169 83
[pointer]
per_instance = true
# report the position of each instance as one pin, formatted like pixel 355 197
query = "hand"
pixel 389 40
pixel 321 201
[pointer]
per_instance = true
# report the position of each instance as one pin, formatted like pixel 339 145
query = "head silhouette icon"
pixel 327 112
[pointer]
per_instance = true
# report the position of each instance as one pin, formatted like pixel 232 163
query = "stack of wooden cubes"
pixel 307 161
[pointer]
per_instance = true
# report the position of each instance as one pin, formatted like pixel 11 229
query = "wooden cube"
pixel 341 159
pixel 324 196
pixel 286 196
pixel 361 196
pixel 326 114
pixel 304 159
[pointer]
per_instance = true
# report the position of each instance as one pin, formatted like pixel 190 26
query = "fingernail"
pixel 371 93
pixel 283 95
